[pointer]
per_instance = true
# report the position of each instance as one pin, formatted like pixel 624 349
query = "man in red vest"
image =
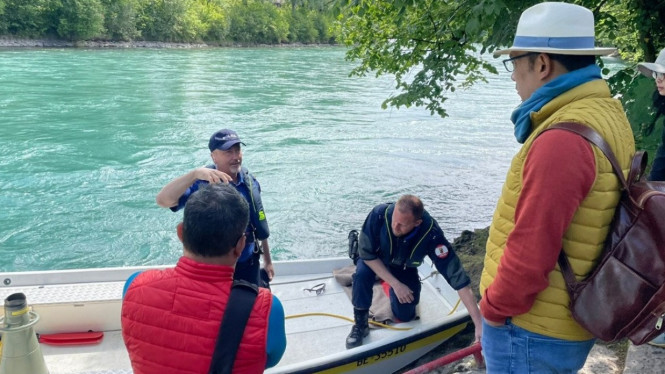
pixel 171 317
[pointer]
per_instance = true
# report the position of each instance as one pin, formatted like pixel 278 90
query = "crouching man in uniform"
pixel 394 240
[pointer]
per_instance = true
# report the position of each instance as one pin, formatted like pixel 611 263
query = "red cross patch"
pixel 441 251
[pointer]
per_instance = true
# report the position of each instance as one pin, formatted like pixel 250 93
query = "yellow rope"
pixel 352 321
pixel 347 319
pixel 455 307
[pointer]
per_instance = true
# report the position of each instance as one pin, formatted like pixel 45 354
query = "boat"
pixel 79 319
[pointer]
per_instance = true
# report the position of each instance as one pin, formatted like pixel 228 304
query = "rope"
pixel 455 307
pixel 347 319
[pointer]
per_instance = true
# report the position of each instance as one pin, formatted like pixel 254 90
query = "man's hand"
pixel 212 175
pixel 170 194
pixel 267 260
pixel 478 332
pixel 469 300
pixel 269 269
pixel 403 293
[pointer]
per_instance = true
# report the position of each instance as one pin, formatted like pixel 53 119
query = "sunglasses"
pixel 319 289
pixel 657 76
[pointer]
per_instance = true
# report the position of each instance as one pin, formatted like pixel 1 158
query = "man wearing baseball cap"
pixel 559 195
pixel 226 155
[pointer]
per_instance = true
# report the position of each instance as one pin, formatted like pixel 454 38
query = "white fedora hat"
pixel 558 28
pixel 647 68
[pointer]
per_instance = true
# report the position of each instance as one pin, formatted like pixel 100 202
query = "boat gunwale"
pixel 120 274
pixel 364 353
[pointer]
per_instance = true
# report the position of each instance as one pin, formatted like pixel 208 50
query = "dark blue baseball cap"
pixel 223 139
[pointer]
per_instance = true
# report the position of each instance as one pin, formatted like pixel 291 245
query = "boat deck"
pixel 80 301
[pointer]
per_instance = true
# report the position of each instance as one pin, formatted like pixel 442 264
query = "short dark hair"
pixel 411 204
pixel 215 218
pixel 570 62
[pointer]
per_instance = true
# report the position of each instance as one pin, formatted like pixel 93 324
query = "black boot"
pixel 360 330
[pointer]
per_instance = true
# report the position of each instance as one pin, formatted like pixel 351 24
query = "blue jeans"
pixel 509 349
pixel 362 292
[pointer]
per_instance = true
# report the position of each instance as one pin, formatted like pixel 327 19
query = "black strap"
pixel 636 170
pixel 242 298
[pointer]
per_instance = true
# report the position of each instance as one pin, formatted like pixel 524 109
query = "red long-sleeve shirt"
pixel 558 173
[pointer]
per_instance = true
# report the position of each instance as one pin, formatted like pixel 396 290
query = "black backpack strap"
pixel 242 298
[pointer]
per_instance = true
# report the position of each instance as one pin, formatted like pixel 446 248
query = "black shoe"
pixel 355 338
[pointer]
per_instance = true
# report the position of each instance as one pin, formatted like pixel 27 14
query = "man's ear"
pixel 179 229
pixel 545 66
pixel 240 245
pixel 418 222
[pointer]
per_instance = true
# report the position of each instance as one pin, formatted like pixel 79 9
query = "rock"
pixel 644 359
pixel 602 360
pixel 470 247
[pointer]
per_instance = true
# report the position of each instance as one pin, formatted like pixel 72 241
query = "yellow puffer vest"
pixel 592 105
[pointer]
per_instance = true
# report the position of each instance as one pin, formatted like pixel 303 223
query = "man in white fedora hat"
pixel 560 194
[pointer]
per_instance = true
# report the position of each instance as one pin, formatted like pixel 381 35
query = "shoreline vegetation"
pixel 165 23
pixel 14 42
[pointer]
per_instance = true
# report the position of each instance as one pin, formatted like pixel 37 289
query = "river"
pixel 89 136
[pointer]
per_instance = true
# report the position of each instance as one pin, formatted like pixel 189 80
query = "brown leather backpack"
pixel 624 296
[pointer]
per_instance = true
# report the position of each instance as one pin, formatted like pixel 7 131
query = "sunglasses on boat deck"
pixel 657 76
pixel 319 289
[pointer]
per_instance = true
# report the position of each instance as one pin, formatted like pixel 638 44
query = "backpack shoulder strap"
pixel 636 168
pixel 242 298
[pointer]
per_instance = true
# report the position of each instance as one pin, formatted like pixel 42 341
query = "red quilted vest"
pixel 170 320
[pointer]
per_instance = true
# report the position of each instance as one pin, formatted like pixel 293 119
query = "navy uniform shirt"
pixel 257 221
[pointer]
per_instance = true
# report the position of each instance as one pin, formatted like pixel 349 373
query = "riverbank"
pixel 605 358
pixel 9 42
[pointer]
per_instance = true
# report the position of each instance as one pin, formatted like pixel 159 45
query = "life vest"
pixel 258 221
pixel 396 251
pixel 171 319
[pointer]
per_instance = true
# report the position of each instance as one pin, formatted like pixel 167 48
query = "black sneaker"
pixel 355 338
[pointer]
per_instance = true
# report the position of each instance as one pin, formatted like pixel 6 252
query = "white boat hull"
pixel 90 300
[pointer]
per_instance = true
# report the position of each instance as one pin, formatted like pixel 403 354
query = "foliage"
pixel 302 28
pixel 3 25
pixel 213 21
pixel 433 47
pixel 430 46
pixel 637 101
pixel 162 20
pixel 29 18
pixel 256 21
pixel 80 19
pixel 120 19
pixel 323 25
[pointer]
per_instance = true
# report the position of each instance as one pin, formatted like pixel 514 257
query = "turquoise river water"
pixel 88 138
